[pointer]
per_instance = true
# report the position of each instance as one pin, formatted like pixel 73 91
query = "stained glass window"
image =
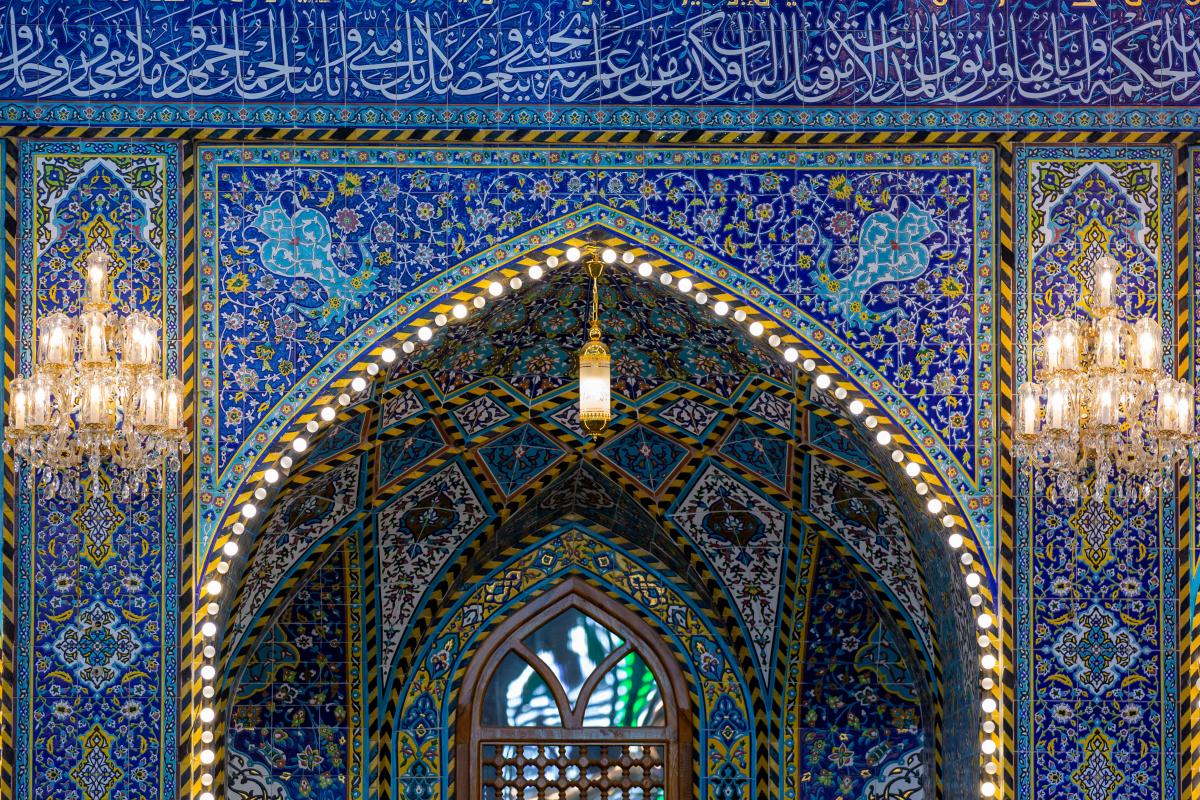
pixel 573 705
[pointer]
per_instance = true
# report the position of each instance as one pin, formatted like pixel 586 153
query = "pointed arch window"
pixel 574 697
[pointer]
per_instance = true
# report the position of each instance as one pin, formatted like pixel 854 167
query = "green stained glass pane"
pixel 626 697
pixel 518 697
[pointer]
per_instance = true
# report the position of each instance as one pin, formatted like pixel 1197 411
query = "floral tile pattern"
pixel 1097 677
pixel 861 732
pixel 874 254
pixel 293 733
pixel 868 523
pixel 742 533
pixel 97 595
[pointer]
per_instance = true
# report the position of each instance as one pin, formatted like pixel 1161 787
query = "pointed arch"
pixel 673 735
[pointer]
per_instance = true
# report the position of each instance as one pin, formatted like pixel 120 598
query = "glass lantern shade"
pixel 1104 285
pixel 1062 344
pixel 40 405
pixel 139 342
pixel 18 405
pixel 595 386
pixel 1146 357
pixel 1106 402
pixel 97 280
pixel 1164 418
pixel 1110 341
pixel 1029 398
pixel 150 412
pixel 173 406
pixel 93 338
pixel 96 408
pixel 1185 408
pixel 1060 407
pixel 56 341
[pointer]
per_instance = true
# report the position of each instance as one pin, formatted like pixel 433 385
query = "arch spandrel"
pixel 738 284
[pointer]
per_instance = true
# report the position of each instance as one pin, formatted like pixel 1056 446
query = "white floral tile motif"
pixel 689 416
pixel 869 525
pixel 743 534
pixel 416 535
pixel 480 414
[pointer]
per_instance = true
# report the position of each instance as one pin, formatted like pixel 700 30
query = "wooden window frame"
pixel 639 636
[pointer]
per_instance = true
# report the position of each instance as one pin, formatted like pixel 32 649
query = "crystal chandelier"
pixel 1102 407
pixel 595 364
pixel 96 393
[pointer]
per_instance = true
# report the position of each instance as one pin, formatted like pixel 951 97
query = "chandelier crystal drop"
pixel 595 363
pixel 96 393
pixel 1103 409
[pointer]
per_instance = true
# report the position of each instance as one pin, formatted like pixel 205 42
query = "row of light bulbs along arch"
pixel 295 447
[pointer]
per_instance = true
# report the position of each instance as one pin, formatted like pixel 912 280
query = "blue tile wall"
pixel 98 581
pixel 1096 616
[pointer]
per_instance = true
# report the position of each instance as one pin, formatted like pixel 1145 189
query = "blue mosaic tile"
pixel 519 456
pixel 761 453
pixel 399 455
pixel 645 455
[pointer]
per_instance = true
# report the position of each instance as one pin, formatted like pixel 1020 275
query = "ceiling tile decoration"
pixel 299 520
pixel 519 456
pixel 825 434
pixel 530 341
pixel 866 521
pixel 773 409
pixel 742 535
pixel 481 414
pixel 341 438
pixel 644 454
pixel 399 407
pixel 690 416
pixel 761 453
pixel 416 534
pixel 400 454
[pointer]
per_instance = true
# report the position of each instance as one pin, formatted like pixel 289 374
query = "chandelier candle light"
pixel 1103 408
pixel 96 392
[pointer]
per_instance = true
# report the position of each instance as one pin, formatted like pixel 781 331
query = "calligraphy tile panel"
pixel 628 63
pixel 97 580
pixel 1097 681
pixel 308 254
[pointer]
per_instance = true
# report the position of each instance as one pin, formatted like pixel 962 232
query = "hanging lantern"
pixel 595 366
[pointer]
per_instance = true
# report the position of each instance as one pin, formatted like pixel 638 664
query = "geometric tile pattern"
pixel 397 456
pixel 761 453
pixel 480 414
pixel 645 454
pixel 517 457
